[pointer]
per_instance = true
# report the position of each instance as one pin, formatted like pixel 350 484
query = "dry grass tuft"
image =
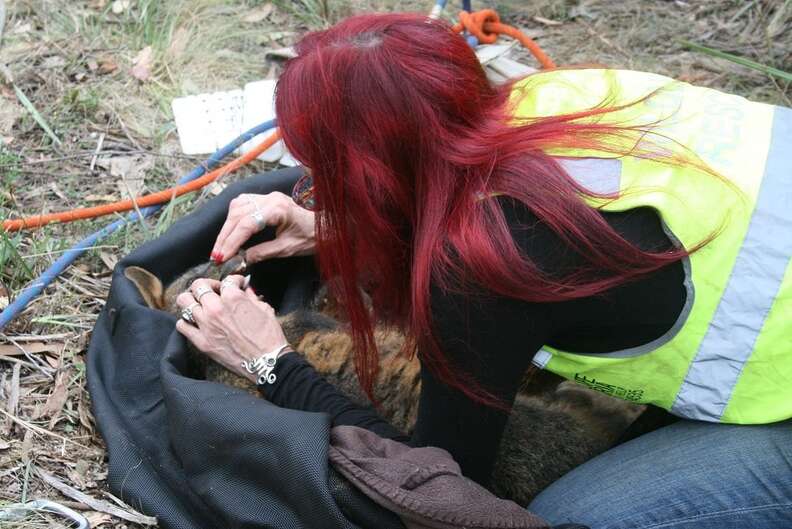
pixel 72 60
pixel 647 35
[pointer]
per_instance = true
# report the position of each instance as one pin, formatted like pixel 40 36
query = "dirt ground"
pixel 85 119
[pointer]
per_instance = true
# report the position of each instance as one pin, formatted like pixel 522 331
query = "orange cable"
pixel 485 25
pixel 145 200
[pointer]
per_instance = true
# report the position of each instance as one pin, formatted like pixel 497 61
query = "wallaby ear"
pixel 149 286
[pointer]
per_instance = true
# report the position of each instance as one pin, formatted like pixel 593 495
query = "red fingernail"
pixel 219 257
pixel 213 256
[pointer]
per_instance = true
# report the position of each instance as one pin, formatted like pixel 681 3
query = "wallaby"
pixel 553 427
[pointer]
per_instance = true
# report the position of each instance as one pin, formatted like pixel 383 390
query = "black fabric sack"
pixel 197 454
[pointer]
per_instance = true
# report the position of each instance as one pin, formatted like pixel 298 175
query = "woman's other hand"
pixel 249 214
pixel 231 325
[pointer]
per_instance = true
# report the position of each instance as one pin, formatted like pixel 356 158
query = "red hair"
pixel 402 132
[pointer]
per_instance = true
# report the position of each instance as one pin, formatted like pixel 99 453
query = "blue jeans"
pixel 689 475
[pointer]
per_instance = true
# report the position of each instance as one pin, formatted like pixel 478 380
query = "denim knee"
pixel 689 475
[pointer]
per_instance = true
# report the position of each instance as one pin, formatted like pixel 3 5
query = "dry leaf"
pixel 131 170
pixel 76 479
pixel 57 191
pixel 108 259
pixel 143 62
pixel 85 416
pixel 22 28
pixel 259 14
pixel 100 198
pixel 32 348
pixel 275 35
pixel 80 475
pixel 281 53
pixel 216 188
pixel 106 65
pixel 53 61
pixel 27 446
pixel 10 112
pixel 53 361
pixel 4 445
pixel 57 398
pixel 104 163
pixel 699 77
pixel 5 296
pixel 547 21
pixel 119 6
pixel 96 519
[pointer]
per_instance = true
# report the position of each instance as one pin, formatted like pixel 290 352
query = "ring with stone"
pixel 187 312
pixel 258 218
pixel 201 291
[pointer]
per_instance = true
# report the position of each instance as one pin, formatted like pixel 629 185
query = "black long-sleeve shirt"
pixel 494 339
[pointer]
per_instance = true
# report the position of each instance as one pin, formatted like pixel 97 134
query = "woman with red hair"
pixel 589 221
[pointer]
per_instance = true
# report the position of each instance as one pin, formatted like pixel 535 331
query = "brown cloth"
pixel 424 486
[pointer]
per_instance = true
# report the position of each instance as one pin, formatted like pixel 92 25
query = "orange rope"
pixel 485 25
pixel 145 200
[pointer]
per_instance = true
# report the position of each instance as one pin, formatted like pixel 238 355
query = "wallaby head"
pixel 158 297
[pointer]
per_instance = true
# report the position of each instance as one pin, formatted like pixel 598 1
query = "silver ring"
pixel 258 218
pixel 201 291
pixel 227 282
pixel 187 312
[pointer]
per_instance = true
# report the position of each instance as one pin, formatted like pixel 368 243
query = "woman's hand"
pixel 248 214
pixel 231 325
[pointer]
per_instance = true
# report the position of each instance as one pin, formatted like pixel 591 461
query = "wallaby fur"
pixel 551 429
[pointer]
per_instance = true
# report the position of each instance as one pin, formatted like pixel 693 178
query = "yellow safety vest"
pixel 728 358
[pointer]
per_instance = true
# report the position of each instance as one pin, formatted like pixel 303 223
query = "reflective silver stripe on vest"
pixel 752 287
pixel 598 175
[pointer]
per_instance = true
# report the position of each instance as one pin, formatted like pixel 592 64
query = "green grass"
pixel 10 166
pixel 768 70
pixel 313 13
pixel 14 270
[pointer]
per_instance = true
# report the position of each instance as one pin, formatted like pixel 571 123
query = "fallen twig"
pixel 97 151
pixel 2 18
pixel 32 359
pixel 95 504
pixel 13 398
pixel 34 337
pixel 39 430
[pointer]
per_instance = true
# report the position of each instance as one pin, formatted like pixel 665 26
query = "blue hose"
pixel 467 5
pixel 438 8
pixel 37 287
